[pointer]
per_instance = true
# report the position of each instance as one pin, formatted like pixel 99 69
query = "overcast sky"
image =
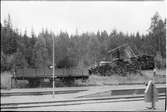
pixel 85 16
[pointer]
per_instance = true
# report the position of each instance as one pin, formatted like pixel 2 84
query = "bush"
pixel 6 80
pixel 160 62
pixel 66 63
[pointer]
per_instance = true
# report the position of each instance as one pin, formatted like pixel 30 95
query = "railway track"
pixel 114 92
pixel 40 93
pixel 126 98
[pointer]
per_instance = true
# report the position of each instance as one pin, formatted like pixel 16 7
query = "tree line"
pixel 22 51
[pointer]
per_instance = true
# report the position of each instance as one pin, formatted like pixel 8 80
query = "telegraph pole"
pixel 53 67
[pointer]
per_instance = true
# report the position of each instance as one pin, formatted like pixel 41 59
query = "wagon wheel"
pixel 84 80
pixel 117 70
pixel 68 81
pixel 109 72
pixel 102 71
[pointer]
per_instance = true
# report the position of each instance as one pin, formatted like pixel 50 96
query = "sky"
pixel 72 16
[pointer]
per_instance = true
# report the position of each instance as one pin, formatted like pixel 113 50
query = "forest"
pixel 18 50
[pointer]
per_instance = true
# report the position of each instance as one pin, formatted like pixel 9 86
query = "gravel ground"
pixel 105 106
pixel 90 90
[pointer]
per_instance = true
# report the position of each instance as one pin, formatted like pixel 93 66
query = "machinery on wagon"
pixel 122 60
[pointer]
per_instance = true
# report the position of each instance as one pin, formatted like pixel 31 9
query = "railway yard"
pixel 72 56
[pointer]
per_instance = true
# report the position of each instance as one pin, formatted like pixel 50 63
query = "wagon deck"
pixel 26 74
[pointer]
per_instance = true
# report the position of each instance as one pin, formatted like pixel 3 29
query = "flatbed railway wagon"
pixel 35 76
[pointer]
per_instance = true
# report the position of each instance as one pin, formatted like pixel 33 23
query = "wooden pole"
pixel 53 67
pixel 153 100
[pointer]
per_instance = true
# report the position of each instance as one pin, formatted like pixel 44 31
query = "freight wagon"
pixel 35 76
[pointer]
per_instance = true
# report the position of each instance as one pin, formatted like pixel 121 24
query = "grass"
pixel 129 79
